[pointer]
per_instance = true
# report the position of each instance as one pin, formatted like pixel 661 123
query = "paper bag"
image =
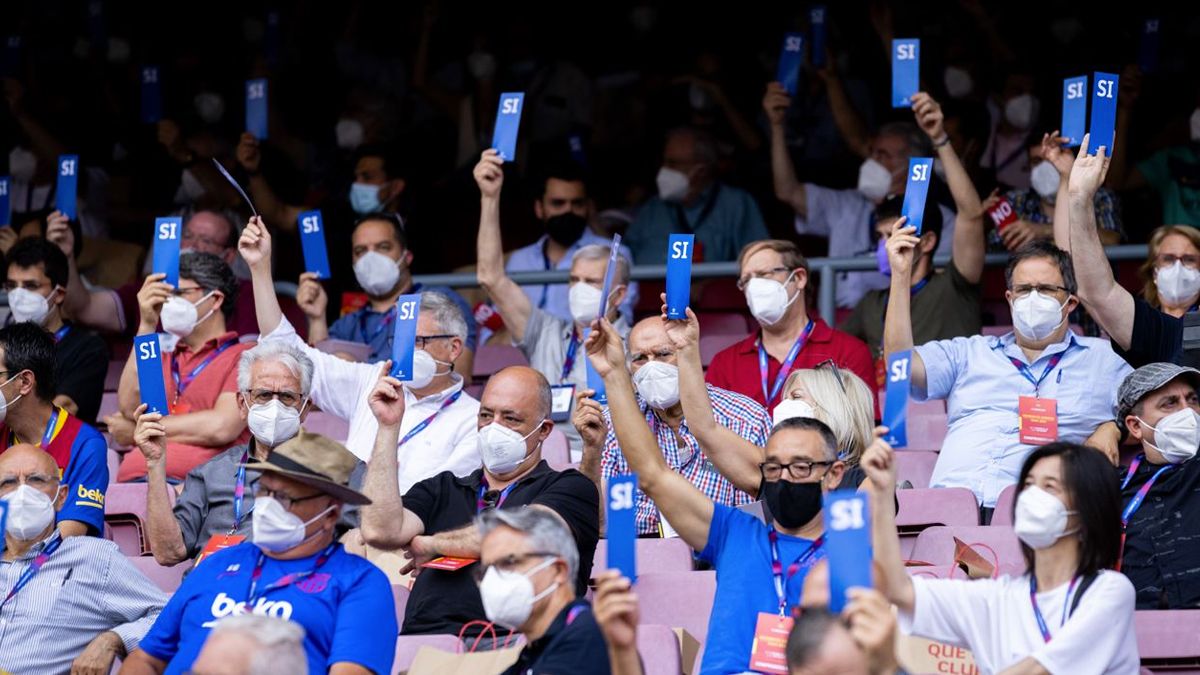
pixel 971 562
pixel 918 655
pixel 689 647
pixel 430 661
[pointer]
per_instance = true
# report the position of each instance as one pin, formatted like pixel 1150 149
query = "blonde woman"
pixel 1171 273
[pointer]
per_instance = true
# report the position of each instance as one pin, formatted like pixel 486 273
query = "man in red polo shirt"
pixel 201 373
pixel 774 275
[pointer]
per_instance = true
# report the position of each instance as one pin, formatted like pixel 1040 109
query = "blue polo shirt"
pixel 345 607
pixel 82 457
pixel 376 328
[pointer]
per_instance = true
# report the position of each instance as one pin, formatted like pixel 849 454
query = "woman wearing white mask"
pixel 1069 613
pixel 1171 273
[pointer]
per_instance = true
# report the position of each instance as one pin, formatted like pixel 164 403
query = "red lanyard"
pixel 785 368
pixel 185 382
pixel 803 560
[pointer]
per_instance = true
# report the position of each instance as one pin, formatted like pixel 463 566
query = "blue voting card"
pixel 1104 112
pixel 613 252
pixel 151 95
pixel 680 248
pixel 508 121
pixel 5 201
pixel 312 240
pixel 3 515
pixel 578 154
pixel 11 65
pixel 594 381
pixel 271 39
pixel 405 336
pixel 906 71
pixel 920 169
pixel 234 183
pixel 256 107
pixel 68 180
pixel 148 352
pixel 1148 47
pixel 895 408
pixel 97 29
pixel 816 46
pixel 167 234
pixel 1074 110
pixel 847 544
pixel 790 58
pixel 622 525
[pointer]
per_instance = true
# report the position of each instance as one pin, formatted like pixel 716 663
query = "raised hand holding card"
pixel 312 241
pixel 680 248
pixel 404 338
pixel 151 383
pixel 622 525
pixel 508 122
pixel 68 180
pixel 1074 112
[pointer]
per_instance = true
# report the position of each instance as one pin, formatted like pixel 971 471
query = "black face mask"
pixel 792 504
pixel 566 228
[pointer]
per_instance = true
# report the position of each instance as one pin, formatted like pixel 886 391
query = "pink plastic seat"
pixel 166 578
pixel 678 599
pixel 1169 637
pixel 915 466
pixel 723 323
pixel 320 422
pixel 711 345
pixel 400 596
pixel 125 514
pixel 653 555
pixel 926 432
pixel 922 508
pixel 556 450
pixel 1003 513
pixel 659 650
pixel 935 545
pixel 407 647
pixel 491 359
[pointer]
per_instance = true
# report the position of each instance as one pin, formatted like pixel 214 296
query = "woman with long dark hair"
pixel 1069 613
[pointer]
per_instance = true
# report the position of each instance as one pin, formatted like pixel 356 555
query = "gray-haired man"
pixel 274 383
pixel 252 644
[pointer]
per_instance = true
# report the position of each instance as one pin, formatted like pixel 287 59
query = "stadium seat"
pixel 114 465
pixel 400 596
pixel 711 345
pixel 659 555
pixel 926 432
pixel 721 295
pixel 113 377
pixel 1003 513
pixel 125 515
pixel 935 546
pixel 1168 640
pixel 922 508
pixel 556 450
pixel 934 407
pixel 407 647
pixel 678 599
pixel 723 323
pixel 166 578
pixel 659 649
pixel 491 359
pixel 320 422
pixel 915 466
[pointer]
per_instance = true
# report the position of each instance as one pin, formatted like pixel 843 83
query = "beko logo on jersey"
pixel 223 606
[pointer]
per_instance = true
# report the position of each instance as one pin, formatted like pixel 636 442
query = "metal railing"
pixel 825 270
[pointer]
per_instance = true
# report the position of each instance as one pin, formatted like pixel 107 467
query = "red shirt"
pixel 736 367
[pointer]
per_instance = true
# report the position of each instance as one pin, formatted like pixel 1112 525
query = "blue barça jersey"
pixel 82 457
pixel 345 607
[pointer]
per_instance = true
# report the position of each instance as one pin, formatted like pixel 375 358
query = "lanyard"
pixel 286 580
pixel 61 333
pixel 912 292
pixel 32 570
pixel 185 382
pixel 425 422
pixel 785 367
pixel 362 323
pixel 548 267
pixel 1037 613
pixel 239 492
pixel 47 435
pixel 480 505
pixel 1050 365
pixel 1136 501
pixel 572 350
pixel 803 560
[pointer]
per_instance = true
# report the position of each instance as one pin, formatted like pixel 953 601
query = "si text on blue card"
pixel 508 122
pixel 405 336
pixel 847 544
pixel 151 383
pixel 256 108
pixel 895 408
pixel 5 201
pixel 68 179
pixel 916 191
pixel 151 95
pixel 312 240
pixel 679 274
pixel 1074 111
pixel 906 71
pixel 167 233
pixel 816 47
pixel 622 527
pixel 790 58
pixel 1104 112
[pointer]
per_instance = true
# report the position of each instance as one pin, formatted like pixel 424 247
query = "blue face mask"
pixel 881 258
pixel 364 198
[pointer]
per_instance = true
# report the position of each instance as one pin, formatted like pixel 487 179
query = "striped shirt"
pixel 85 588
pixel 740 414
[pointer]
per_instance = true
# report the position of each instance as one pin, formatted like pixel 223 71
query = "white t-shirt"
pixel 994 619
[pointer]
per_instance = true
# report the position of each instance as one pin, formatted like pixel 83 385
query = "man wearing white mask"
pixel 70 604
pixel 434 521
pixel 292 569
pixel 774 276
pixel 1014 111
pixel 722 474
pixel 552 345
pixel 200 373
pixel 692 199
pixel 847 217
pixel 440 433
pixel 36 285
pixel 1006 395
pixel 211 512
pixel 1160 513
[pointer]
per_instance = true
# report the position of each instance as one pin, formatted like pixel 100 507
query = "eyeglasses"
pixel 265 396
pixel 837 373
pixel 800 470
pixel 421 341
pixel 180 292
pixel 1042 289
pixel 11 286
pixel 285 500
pixel 510 563
pixel 1166 260
pixel 773 272
pixel 203 241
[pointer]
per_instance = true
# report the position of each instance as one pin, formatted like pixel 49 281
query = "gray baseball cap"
pixel 1148 378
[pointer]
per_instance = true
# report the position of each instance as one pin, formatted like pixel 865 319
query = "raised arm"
pixel 250 158
pixel 897 325
pixel 386 523
pixel 255 248
pixel 1060 158
pixel 510 300
pixel 783 175
pixel 98 309
pixel 312 300
pixel 686 507
pixel 150 301
pixel 968 247
pixel 849 123
pixel 166 538
pixel 879 463
pixel 1111 305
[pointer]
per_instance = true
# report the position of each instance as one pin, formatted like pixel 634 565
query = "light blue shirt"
pixel 552 298
pixel 724 219
pixel 982 450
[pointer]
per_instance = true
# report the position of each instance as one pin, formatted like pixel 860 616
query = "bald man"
pixel 726 475
pixel 436 517
pixel 86 604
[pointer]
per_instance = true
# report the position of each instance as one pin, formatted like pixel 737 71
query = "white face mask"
pixel 1041 519
pixel 30 512
pixel 768 299
pixel 22 164
pixel 503 449
pixel 4 402
pixel 27 305
pixel 672 185
pixel 1176 284
pixel 179 317
pixel 1036 316
pixel 958 82
pixel 1045 179
pixel 377 273
pixel 275 529
pixel 209 106
pixel 481 65
pixel 658 384
pixel 1021 111
pixel 273 423
pixel 508 597
pixel 1193 121
pixel 424 369
pixel 792 407
pixel 1177 435
pixel 349 133
pixel 874 180
pixel 583 299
